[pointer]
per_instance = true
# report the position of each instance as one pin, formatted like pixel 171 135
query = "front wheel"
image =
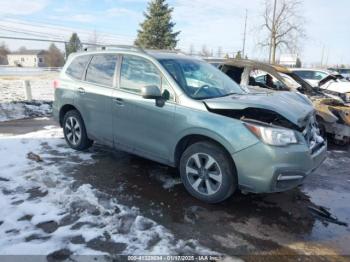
pixel 75 132
pixel 207 172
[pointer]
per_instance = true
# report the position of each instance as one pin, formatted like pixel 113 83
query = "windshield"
pixel 344 71
pixel 200 80
pixel 340 78
pixel 306 88
pixel 290 81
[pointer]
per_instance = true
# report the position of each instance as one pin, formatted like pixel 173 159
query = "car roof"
pixel 250 63
pixel 326 71
pixel 160 55
pixel 311 69
pixel 157 54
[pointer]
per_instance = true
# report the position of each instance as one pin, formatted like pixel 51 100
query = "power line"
pixel 45 40
pixel 44 24
pixel 245 32
pixel 22 32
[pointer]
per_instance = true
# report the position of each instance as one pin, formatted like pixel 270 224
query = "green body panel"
pixel 258 166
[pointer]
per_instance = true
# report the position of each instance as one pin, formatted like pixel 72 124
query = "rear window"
pixel 77 67
pixel 101 69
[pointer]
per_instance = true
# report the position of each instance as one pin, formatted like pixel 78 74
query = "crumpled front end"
pixel 276 169
pixel 335 117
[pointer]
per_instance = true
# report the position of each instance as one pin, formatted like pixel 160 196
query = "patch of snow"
pixel 43 210
pixel 12 99
pixel 13 90
pixel 19 110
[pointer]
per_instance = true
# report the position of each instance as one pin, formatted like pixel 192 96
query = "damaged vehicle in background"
pixel 332 83
pixel 345 72
pixel 183 112
pixel 332 114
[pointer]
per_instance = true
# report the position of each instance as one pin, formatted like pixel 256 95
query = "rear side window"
pixel 77 67
pixel 305 74
pixel 101 69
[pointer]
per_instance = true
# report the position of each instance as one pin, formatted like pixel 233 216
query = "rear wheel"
pixel 75 132
pixel 207 172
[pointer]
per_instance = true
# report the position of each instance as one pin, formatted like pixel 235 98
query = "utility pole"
pixel 245 33
pixel 327 56
pixel 273 35
pixel 322 56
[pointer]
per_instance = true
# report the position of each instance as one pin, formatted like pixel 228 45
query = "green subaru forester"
pixel 183 112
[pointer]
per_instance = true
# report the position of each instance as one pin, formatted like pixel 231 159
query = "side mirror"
pixel 151 92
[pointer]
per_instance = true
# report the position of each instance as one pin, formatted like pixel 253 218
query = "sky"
pixel 201 22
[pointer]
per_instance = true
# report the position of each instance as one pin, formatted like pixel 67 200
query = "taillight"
pixel 56 83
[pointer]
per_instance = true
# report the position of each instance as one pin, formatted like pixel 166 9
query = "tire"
pixel 207 172
pixel 75 132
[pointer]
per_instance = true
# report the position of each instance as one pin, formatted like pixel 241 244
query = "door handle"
pixel 81 90
pixel 119 101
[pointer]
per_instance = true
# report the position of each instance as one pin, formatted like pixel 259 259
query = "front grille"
pixel 313 136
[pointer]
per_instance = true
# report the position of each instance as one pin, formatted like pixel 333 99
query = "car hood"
pixel 340 87
pixel 292 106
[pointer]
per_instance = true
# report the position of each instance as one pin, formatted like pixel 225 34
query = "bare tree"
pixel 22 49
pixel 54 56
pixel 4 51
pixel 191 51
pixel 205 52
pixel 283 26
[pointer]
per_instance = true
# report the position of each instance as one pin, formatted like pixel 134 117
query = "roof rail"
pixel 114 47
pixel 172 51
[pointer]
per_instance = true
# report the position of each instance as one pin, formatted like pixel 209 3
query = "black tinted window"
pixel 77 67
pixel 101 69
pixel 305 74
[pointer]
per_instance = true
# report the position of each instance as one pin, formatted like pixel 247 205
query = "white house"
pixel 27 58
pixel 289 60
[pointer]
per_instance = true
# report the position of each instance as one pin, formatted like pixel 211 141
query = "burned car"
pixel 332 83
pixel 332 114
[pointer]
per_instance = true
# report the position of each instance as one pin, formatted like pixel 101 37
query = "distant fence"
pixel 12 70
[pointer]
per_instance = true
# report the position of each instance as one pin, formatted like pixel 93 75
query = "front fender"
pixel 237 140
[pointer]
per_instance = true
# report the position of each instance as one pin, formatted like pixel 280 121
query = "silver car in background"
pixel 185 113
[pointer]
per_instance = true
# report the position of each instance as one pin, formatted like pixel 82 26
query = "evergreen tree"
pixel 54 57
pixel 73 45
pixel 298 63
pixel 157 29
pixel 238 55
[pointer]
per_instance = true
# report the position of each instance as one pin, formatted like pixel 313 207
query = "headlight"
pixel 272 135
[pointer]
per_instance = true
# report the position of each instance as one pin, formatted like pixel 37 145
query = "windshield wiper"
pixel 229 94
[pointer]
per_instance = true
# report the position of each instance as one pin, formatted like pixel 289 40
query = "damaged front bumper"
pixel 276 169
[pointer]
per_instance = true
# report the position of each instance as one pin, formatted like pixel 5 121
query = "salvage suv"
pixel 185 113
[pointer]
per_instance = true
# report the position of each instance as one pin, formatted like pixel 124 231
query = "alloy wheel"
pixel 73 130
pixel 204 174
